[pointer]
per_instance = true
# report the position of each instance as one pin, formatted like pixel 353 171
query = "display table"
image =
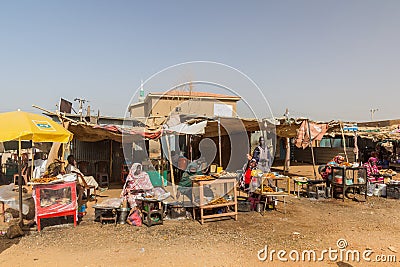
pixel 265 195
pixel 301 181
pixel 55 200
pixel 229 187
pixel 349 178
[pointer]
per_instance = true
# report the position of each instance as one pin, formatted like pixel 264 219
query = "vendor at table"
pixel 82 179
pixel 373 174
pixel 246 177
pixel 326 172
pixel 138 183
pixel 262 156
pixel 185 185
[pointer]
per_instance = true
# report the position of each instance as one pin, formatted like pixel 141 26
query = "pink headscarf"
pixel 373 160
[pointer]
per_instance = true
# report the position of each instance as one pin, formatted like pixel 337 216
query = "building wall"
pixel 202 107
pixel 139 111
pixel 322 155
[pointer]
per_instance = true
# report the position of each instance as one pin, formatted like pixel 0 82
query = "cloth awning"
pixel 185 128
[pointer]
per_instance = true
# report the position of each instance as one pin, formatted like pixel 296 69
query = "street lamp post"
pixel 373 110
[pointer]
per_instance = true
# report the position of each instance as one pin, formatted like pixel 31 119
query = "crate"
pixel 393 191
pixel 244 206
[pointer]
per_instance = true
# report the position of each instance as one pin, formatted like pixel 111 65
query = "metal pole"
pixel 20 183
pixel 219 142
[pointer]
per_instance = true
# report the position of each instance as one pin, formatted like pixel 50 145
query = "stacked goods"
pixel 266 189
pixel 217 201
pixel 225 174
pixel 269 175
pixel 387 172
pixel 203 178
pixel 44 180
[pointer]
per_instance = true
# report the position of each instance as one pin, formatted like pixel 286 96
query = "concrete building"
pixel 183 102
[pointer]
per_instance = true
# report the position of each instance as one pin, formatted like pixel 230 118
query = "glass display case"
pixel 55 200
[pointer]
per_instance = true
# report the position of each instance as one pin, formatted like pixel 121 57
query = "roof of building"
pixel 186 94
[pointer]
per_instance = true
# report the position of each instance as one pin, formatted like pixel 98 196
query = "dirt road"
pixel 307 225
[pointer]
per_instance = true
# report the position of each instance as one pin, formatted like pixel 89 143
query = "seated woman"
pixel 138 183
pixel 373 174
pixel 326 172
pixel 185 184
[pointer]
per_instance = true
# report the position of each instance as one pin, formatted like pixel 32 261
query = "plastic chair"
pixel 25 176
pixel 84 167
pixel 102 173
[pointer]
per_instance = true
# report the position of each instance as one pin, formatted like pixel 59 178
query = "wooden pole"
pixel 344 141
pixel 312 150
pixel 171 168
pixel 33 161
pixel 356 145
pixel 111 158
pixel 161 165
pixel 287 156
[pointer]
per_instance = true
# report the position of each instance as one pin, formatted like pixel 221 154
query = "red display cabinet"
pixel 55 200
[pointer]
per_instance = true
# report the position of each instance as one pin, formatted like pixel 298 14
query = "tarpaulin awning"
pixel 185 128
pixel 95 133
pixel 306 129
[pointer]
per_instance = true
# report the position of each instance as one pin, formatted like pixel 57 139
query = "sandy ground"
pixel 308 224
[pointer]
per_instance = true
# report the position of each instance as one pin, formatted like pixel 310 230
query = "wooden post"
pixel 33 161
pixel 312 150
pixel 111 158
pixel 287 156
pixel 171 168
pixel 344 141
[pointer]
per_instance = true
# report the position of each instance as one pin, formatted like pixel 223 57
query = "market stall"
pixel 54 200
pixel 24 126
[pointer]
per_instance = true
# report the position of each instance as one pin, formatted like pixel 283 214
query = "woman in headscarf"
pixel 137 183
pixel 326 172
pixel 372 170
pixel 185 185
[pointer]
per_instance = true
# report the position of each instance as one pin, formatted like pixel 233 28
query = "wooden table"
pixel 283 194
pixel 202 205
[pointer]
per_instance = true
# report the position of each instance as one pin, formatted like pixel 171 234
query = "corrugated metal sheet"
pixel 322 154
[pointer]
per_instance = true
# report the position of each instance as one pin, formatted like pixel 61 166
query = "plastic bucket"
pixel 338 180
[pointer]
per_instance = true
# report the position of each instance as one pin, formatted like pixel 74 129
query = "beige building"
pixel 183 102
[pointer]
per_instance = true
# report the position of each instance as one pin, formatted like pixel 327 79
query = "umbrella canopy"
pixel 20 125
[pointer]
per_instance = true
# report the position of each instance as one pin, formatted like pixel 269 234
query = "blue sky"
pixel 321 59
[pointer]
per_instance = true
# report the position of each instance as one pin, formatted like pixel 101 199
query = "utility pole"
pixel 286 165
pixel 373 110
pixel 81 102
